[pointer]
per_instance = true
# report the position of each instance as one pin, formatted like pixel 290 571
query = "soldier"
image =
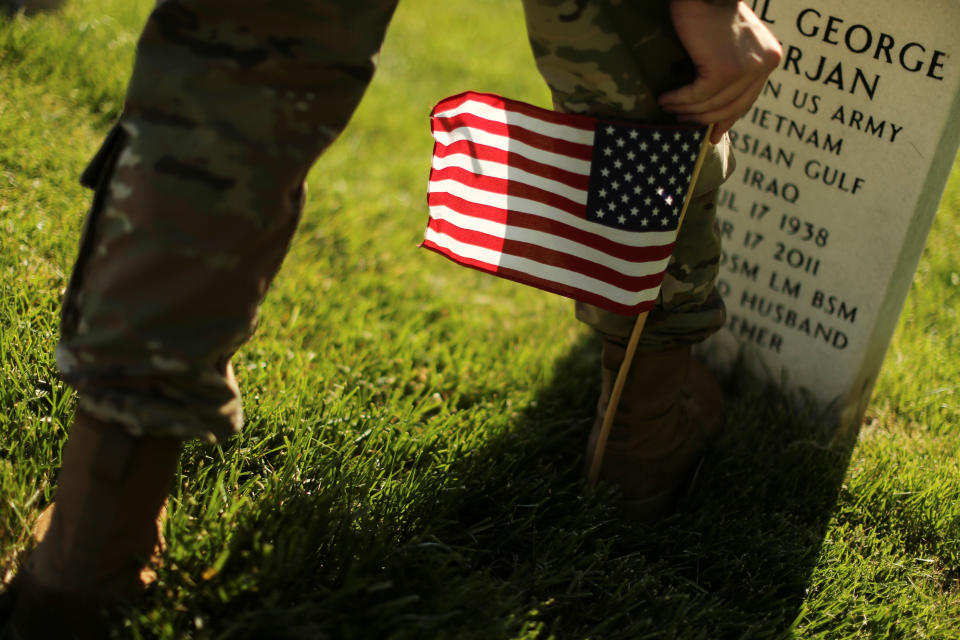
pixel 621 60
pixel 198 190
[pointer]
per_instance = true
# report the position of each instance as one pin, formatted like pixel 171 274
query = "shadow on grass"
pixel 505 540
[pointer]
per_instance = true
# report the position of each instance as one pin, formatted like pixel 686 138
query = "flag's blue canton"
pixel 640 175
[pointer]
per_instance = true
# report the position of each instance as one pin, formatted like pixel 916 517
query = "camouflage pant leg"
pixel 198 192
pixel 612 59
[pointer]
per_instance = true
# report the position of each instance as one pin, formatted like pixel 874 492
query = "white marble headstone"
pixel 841 166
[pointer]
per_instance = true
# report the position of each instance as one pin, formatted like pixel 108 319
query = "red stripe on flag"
pixel 513 160
pixel 553 227
pixel 589 297
pixel 514 132
pixel 547 256
pixel 547 285
pixel 509 188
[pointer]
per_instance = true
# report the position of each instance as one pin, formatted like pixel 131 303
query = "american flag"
pixel 571 204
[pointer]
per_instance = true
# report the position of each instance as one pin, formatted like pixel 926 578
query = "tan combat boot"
pixel 110 491
pixel 670 409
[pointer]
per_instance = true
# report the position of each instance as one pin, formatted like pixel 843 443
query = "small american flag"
pixel 571 204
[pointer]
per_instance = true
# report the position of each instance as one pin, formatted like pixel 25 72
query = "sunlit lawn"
pixel 411 467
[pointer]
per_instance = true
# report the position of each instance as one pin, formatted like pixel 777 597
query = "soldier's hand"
pixel 734 53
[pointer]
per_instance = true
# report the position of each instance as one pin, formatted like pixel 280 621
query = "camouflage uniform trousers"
pixel 612 59
pixel 198 190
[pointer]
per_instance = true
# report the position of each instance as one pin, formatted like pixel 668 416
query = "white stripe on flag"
pixel 514 146
pixel 524 205
pixel 549 241
pixel 563 277
pixel 491 169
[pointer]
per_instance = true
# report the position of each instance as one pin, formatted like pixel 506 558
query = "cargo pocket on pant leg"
pixel 97 177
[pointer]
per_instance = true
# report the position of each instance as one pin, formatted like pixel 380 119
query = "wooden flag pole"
pixel 598 452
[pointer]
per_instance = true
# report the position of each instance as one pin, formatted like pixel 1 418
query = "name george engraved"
pixel 861 39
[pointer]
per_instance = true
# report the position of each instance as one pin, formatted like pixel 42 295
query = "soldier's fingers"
pixel 721 128
pixel 694 93
pixel 726 115
pixel 705 95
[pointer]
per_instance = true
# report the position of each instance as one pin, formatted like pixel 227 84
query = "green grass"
pixel 411 466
